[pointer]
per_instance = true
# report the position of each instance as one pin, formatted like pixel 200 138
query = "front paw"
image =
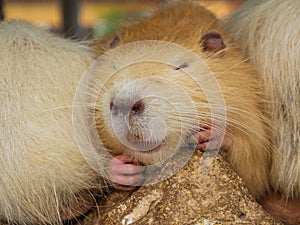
pixel 208 138
pixel 124 174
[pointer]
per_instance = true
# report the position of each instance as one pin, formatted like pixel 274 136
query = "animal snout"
pixel 137 119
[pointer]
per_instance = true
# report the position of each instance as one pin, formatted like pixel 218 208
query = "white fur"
pixel 41 169
pixel 270 33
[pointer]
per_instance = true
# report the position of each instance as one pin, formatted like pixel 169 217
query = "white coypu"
pixel 154 93
pixel 43 177
pixel 269 32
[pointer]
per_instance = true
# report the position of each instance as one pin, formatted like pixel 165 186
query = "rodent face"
pixel 139 111
pixel 146 109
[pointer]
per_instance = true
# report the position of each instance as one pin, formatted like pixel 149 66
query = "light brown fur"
pixel 247 144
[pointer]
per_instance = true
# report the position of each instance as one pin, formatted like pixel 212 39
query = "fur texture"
pixel 269 32
pixel 43 176
pixel 246 142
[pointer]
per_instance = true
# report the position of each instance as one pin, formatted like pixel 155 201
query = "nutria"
pixel 153 91
pixel 268 31
pixel 43 177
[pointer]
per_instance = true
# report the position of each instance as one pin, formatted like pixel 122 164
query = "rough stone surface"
pixel 192 196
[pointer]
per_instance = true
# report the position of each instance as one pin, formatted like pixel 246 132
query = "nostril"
pixel 138 108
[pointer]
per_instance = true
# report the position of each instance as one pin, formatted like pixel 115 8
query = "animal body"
pixel 44 178
pixel 269 31
pixel 153 94
pixel 194 83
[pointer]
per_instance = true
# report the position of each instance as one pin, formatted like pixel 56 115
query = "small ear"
pixel 114 43
pixel 212 42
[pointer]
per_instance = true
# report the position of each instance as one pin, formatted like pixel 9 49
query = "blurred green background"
pixel 83 19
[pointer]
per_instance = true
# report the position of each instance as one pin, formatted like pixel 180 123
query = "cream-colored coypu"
pixel 269 32
pixel 43 177
pixel 142 97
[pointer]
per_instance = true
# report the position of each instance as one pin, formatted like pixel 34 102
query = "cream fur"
pixel 269 32
pixel 42 173
pixel 248 148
